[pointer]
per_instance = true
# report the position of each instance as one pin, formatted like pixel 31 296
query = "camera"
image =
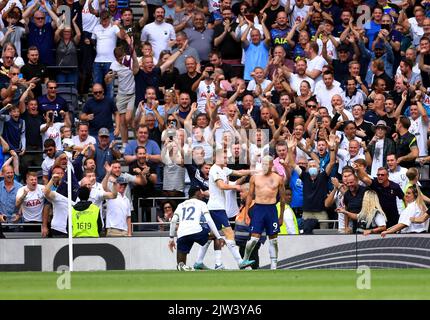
pixel 385 26
pixel 171 133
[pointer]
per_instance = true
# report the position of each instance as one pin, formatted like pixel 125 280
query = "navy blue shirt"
pixel 55 105
pixel 314 191
pixel 144 80
pixel 43 39
pixel 387 198
pixel 103 111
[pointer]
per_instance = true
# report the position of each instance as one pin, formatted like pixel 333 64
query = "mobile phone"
pixel 385 26
pixel 51 116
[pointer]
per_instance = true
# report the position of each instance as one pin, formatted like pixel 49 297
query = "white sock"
pixel 234 249
pixel 202 252
pixel 250 245
pixel 273 251
pixel 218 260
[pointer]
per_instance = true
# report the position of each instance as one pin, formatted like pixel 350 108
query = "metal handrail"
pixel 153 208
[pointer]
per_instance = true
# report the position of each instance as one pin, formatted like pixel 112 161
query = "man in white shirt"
pixel 325 94
pixel 315 62
pixel 118 211
pixel 83 138
pixel 419 127
pixel 397 174
pixel 347 158
pixel 30 199
pixel 218 183
pixel 105 34
pixel 160 34
pixel 60 207
pixel 300 75
pixel 97 192
pixel 51 129
pixel 50 150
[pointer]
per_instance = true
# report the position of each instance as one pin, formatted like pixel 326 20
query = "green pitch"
pixel 262 284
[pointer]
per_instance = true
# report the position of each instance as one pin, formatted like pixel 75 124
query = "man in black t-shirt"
pixel 33 121
pixel 406 144
pixel 147 190
pixel 353 198
pixel 185 81
pixel 35 69
pixel 315 182
pixel 388 192
pixel 225 39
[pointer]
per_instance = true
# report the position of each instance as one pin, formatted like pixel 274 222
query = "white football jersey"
pixel 217 196
pixel 190 214
pixel 32 205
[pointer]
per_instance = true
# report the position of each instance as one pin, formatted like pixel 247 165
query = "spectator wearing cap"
pixel 130 180
pixel 104 152
pixel 98 112
pixel 105 34
pixel 200 37
pixel 341 62
pixel 63 161
pixel 118 211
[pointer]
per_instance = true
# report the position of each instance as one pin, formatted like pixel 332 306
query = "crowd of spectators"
pixel 335 90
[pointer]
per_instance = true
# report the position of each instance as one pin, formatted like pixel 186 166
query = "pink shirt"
pixel 279 168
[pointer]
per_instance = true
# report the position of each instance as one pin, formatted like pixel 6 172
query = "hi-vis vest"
pixel 289 219
pixel 84 222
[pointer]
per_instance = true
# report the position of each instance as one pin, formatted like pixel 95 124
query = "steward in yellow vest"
pixel 86 220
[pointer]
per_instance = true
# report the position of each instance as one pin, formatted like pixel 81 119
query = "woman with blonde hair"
pixel 415 208
pixel 371 218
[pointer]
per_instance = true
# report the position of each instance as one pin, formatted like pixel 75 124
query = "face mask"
pixel 313 171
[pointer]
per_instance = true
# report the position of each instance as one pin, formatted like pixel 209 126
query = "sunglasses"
pixel 8 58
pixel 39 18
pixel 52 88
pixel 97 92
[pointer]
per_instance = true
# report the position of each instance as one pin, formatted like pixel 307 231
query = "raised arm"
pixel 145 16
pixel 333 149
pixel 362 175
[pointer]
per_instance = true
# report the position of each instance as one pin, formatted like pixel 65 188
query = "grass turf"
pixel 262 284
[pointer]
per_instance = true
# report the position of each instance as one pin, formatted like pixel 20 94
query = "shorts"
pixel 220 219
pixel 125 102
pixel 185 243
pixel 264 217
